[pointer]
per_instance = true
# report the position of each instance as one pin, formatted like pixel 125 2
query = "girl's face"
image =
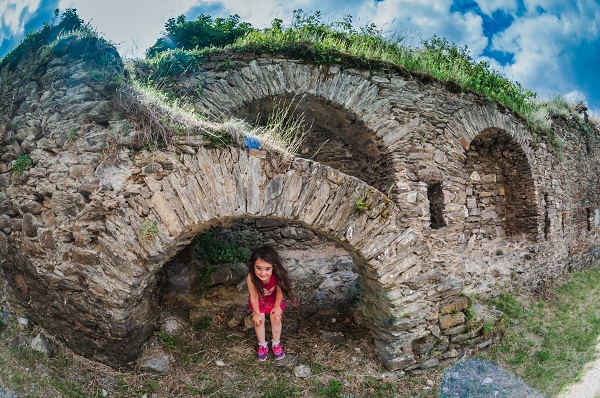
pixel 263 270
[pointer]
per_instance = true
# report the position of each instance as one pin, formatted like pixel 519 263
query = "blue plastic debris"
pixel 252 143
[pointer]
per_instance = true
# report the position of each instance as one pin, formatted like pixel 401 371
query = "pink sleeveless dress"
pixel 270 292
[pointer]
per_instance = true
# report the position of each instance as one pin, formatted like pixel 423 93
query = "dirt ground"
pixel 212 359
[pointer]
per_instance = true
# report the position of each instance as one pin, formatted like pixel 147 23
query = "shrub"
pixel 214 251
pixel 22 163
pixel 69 21
pixel 201 33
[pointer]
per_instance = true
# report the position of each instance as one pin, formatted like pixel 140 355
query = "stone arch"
pixel 501 198
pixel 366 130
pixel 215 185
pixel 467 123
pixel 333 136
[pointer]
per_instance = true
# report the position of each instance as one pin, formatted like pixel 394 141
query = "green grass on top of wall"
pixel 311 39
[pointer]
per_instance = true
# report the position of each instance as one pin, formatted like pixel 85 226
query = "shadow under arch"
pixel 208 277
pixel 501 194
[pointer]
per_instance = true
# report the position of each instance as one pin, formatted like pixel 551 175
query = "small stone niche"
pixel 435 194
pixel 500 189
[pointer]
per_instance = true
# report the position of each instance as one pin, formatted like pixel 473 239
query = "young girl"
pixel 268 285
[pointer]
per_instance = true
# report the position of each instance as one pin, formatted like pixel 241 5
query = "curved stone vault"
pixel 448 180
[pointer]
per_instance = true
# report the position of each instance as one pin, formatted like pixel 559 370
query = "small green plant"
pixel 360 205
pixel 316 368
pixel 488 328
pixel 73 135
pixel 149 386
pixel 205 322
pixel 205 274
pixel 225 64
pixel 499 252
pixel 333 389
pixel 389 191
pixel 166 340
pixel 23 162
pixel 469 312
pixel 214 251
pixel 148 231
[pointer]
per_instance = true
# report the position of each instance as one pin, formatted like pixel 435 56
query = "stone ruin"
pixel 457 196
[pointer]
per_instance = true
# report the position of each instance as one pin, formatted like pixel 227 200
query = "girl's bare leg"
pixel 260 330
pixel 276 326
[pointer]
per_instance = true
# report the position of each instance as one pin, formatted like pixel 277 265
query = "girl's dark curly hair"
pixel 271 256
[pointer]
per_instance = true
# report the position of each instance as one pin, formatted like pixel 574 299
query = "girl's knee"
pixel 275 320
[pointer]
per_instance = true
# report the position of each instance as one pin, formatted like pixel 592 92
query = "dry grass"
pixel 284 132
pixel 158 122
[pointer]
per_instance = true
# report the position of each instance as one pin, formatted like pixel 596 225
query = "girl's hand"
pixel 257 319
pixel 277 312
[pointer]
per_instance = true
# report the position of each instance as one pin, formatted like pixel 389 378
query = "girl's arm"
pixel 277 306
pixel 256 316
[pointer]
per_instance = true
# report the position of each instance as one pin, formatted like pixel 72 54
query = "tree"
pixel 201 33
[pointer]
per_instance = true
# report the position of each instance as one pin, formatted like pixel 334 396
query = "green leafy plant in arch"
pixel 360 205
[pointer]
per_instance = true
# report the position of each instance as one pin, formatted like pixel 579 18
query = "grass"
pixel 338 42
pixel 344 369
pixel 548 341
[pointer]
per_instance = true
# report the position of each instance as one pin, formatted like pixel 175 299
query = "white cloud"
pixel 132 25
pixel 489 6
pixel 433 18
pixel 576 97
pixel 541 44
pixel 261 12
pixel 10 13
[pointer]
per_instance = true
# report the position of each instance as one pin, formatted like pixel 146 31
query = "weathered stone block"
pixel 447 321
pixel 46 238
pixel 454 330
pixel 29 225
pixel 455 305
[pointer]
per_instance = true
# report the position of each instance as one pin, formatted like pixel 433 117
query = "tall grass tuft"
pixel 284 132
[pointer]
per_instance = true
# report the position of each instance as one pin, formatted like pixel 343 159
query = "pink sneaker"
pixel 278 351
pixel 262 353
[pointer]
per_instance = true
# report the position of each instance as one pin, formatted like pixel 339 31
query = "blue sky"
pixel 549 46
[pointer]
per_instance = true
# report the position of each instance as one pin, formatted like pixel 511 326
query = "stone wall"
pixel 467 174
pixel 477 202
